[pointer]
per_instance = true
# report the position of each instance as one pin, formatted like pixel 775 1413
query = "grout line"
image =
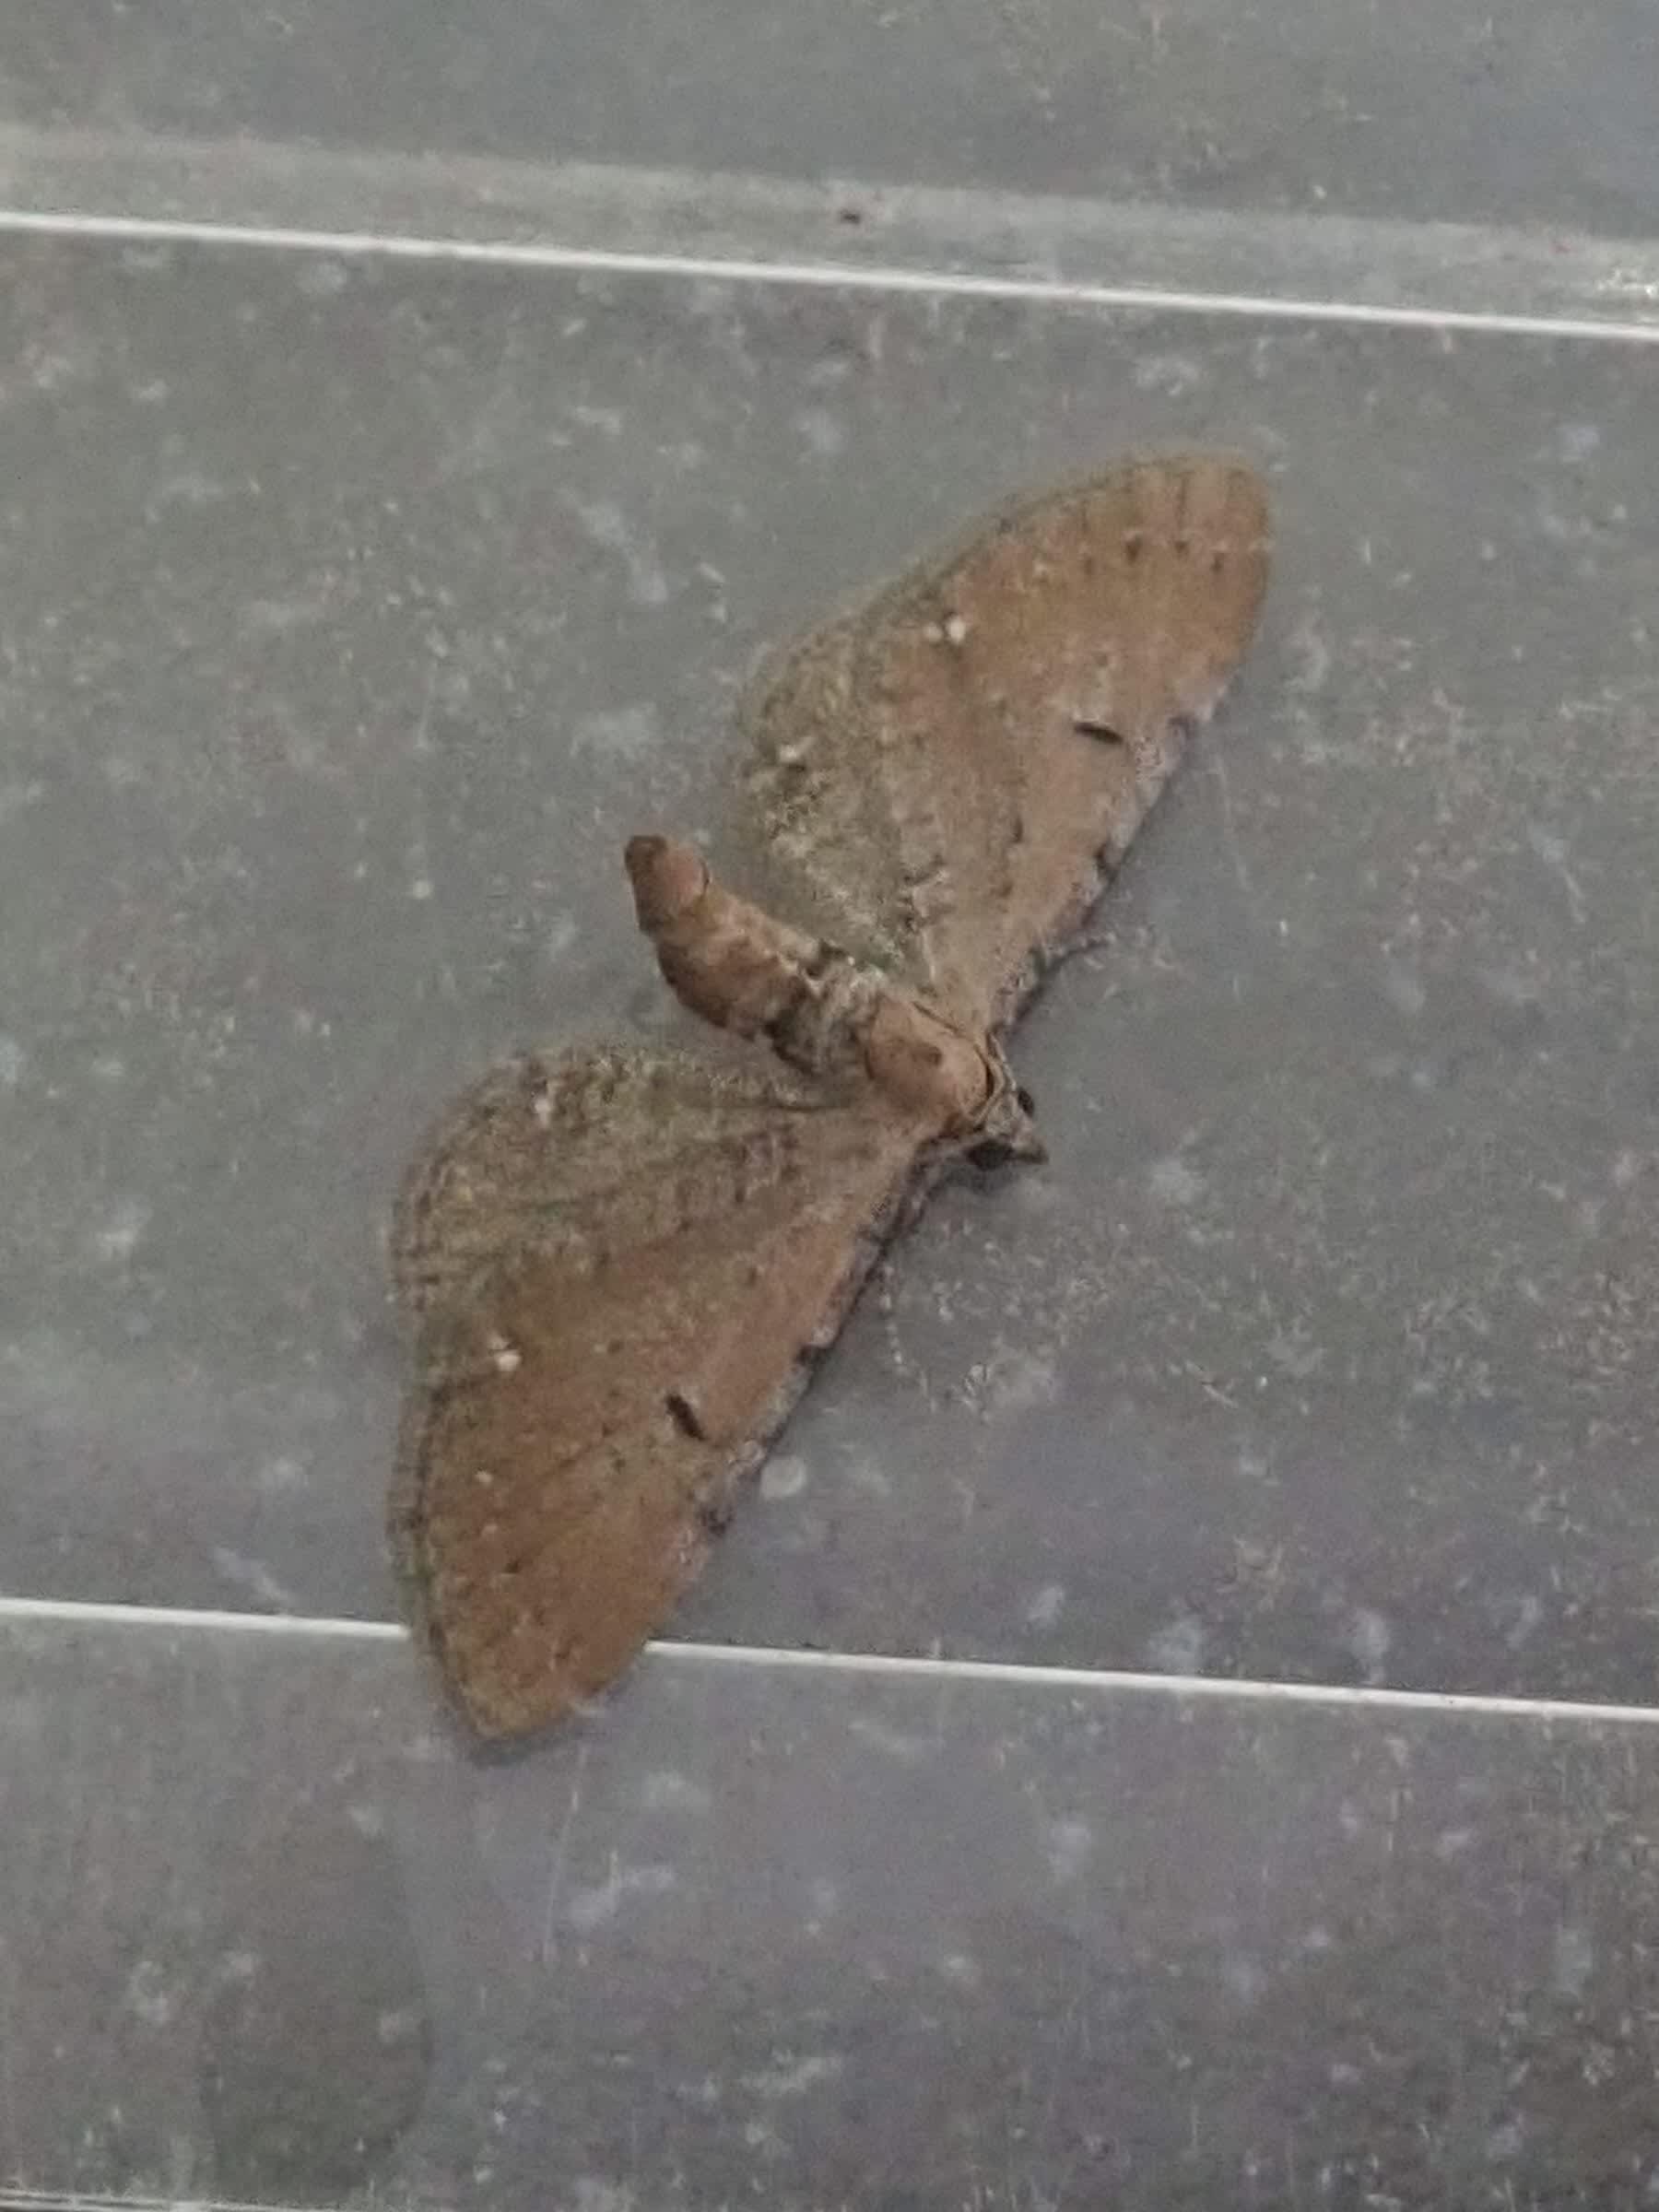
pixel 820 275
pixel 1219 1688
pixel 71 1612
pixel 67 1612
pixel 71 2200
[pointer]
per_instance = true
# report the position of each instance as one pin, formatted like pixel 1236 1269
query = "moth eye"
pixel 991 1153
pixel 1027 1104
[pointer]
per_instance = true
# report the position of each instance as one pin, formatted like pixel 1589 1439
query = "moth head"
pixel 668 876
pixel 1006 1129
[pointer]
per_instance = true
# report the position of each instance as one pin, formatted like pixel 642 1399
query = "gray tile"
pixel 1518 114
pixel 356 612
pixel 811 1939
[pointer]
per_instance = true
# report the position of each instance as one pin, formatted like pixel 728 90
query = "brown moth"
pixel 621 1259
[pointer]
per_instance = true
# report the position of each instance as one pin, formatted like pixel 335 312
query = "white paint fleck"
pixel 1574 1960
pixel 397 2024
pixel 822 433
pixel 149 1996
pixel 1510 988
pixel 368 1819
pixel 618 733
pixel 320 278
pixel 593 2194
pixel 561 935
pixel 590 1908
pixel 1575 441
pixel 48 371
pixel 1553 849
pixel 1293 1351
pixel 665 1790
pixel 1016 1380
pixel 276 617
pixel 1243 1977
pixel 910 1750
pixel 606 420
pixel 1172 1183
pixel 1368 1639
pixel 1173 374
pixel 959 1968
pixel 1179 1647
pixel 421 890
pixel 118 1238
pixel 1451 1842
pixel 256 1577
pixel 13 1061
pixel 1070 1844
pixel 279 1474
pixel 1627 1166
pixel 784 1475
pixel 866 1475
pixel 1528 1609
pixel 608 525
pixel 1309 655
pixel 1505 2140
pixel 1046 1606
pixel 793 2076
pixel 188 487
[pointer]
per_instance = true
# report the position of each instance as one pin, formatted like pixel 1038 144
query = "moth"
pixel 620 1262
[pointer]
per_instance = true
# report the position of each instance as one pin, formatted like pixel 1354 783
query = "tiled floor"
pixel 388 510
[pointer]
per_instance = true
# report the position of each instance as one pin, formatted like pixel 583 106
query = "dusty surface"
pixel 1321 1345
pixel 903 1944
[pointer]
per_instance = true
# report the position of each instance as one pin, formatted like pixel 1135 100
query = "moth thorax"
pixel 927 1065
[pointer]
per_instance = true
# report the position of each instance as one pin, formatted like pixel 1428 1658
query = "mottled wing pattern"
pixel 956 766
pixel 669 1239
pixel 590 1149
